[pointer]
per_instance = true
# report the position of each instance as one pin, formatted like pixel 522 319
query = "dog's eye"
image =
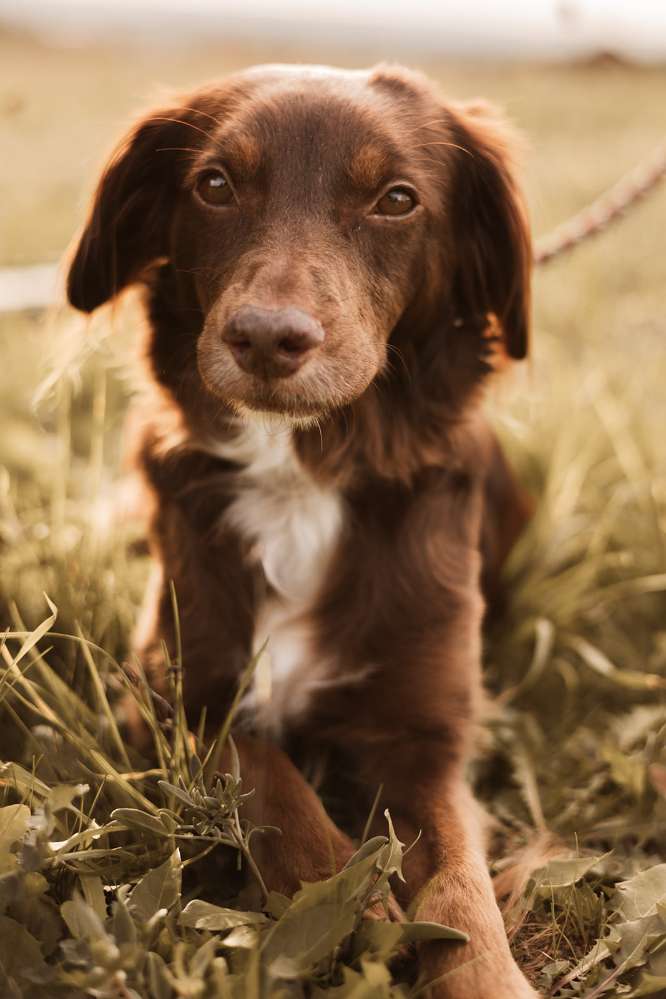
pixel 214 188
pixel 397 201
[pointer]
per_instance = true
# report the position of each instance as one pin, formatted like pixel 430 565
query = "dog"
pixel 334 263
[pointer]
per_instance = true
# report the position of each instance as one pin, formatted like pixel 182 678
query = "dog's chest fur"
pixel 292 526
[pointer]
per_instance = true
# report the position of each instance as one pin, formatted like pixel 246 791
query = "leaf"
pixel 63 795
pixel 378 937
pixel 648 985
pixel 630 941
pixel 158 889
pixel 20 953
pixel 244 937
pixel 158 980
pixel 202 915
pixel 35 636
pixel 82 921
pixel 321 915
pixel 93 893
pixel 170 789
pixel 422 930
pixel 203 956
pixel 123 926
pixel 551 972
pixel 9 988
pixel 563 873
pixel 14 820
pixel 382 938
pixel 631 679
pixel 377 975
pixel 368 983
pixel 391 857
pixel 370 846
pixel 276 904
pixel 135 818
pixel 639 896
pixel 14 775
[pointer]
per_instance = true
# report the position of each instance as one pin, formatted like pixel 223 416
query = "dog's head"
pixel 304 215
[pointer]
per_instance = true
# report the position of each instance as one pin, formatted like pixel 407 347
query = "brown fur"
pixel 394 389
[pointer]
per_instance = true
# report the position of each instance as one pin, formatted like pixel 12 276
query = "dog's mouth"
pixel 283 362
pixel 274 398
pixel 301 396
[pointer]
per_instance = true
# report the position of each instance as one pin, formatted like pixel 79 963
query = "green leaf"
pixel 377 937
pixel 14 775
pixel 391 856
pixel 321 915
pixel 563 873
pixel 158 889
pixel 177 792
pixel 206 916
pixel 276 904
pixel 135 818
pixel 20 953
pixel 382 938
pixel 203 956
pixel 82 921
pixel 124 927
pixel 372 845
pixel 631 940
pixel 639 896
pixel 63 795
pixel 36 636
pixel 243 937
pixel 631 679
pixel 368 983
pixel 158 979
pixel 648 985
pixel 93 893
pixel 14 821
pixel 422 930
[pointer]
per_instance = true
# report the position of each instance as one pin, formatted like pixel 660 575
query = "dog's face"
pixel 306 213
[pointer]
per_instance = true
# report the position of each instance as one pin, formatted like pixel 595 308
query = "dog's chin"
pixel 268 400
pixel 272 419
pixel 301 402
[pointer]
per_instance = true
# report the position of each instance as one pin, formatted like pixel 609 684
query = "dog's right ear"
pixel 127 227
pixel 490 222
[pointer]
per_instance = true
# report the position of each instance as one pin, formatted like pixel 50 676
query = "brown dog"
pixel 333 263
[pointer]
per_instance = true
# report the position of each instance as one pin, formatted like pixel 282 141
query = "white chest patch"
pixel 293 526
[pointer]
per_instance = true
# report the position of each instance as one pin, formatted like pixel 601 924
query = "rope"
pixel 611 206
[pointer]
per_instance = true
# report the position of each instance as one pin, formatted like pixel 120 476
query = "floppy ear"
pixel 491 230
pixel 127 226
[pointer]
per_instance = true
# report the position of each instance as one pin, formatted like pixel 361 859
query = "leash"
pixel 608 208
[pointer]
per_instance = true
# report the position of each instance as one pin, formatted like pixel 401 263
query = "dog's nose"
pixel 271 343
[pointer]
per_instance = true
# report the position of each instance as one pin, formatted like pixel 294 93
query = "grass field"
pixel 573 765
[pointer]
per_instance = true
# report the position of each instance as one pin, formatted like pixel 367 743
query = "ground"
pixel 573 762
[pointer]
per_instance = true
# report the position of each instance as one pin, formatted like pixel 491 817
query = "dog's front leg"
pixel 308 846
pixel 447 881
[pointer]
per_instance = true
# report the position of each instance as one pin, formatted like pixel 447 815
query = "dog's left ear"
pixel 127 227
pixel 491 230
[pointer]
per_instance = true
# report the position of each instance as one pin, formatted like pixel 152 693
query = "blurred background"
pixel 580 658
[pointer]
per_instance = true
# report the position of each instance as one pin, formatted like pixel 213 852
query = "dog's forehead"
pixel 347 116
pixel 381 88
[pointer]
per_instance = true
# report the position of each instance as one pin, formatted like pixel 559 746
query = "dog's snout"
pixel 271 343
